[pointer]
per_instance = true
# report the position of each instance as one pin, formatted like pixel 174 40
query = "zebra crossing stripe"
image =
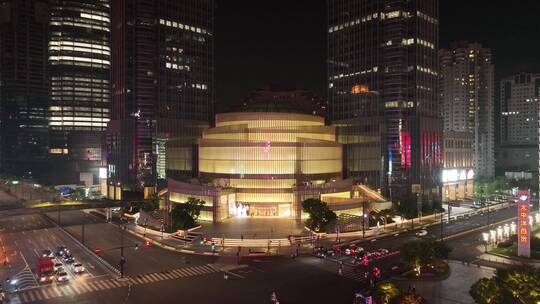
pixel 158 276
pixel 56 292
pixel 179 273
pixel 24 297
pixel 94 286
pixel 191 272
pixel 116 283
pixel 168 275
pixel 151 277
pixel 100 285
pixel 31 295
pixel 46 293
pixel 76 289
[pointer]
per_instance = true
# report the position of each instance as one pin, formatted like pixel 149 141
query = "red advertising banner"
pixel 523 225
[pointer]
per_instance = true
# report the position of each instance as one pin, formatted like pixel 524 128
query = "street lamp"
pixel 485 238
pixel 499 233
pixel 513 227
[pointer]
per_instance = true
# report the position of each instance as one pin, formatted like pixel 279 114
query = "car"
pixel 62 276
pixel 61 251
pixel 58 267
pixel 47 254
pixel 383 251
pixel 68 258
pixel 77 267
pixel 422 232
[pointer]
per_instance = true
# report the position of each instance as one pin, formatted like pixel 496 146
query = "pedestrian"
pixel 414 289
pixel 225 276
pixel 340 272
pixel 242 237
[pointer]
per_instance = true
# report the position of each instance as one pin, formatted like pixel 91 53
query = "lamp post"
pixel 485 238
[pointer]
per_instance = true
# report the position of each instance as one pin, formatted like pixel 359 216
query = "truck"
pixel 45 267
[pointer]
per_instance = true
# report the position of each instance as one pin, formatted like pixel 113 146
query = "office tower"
pixel 80 62
pixel 467 100
pixel 163 87
pixel 24 86
pixel 520 95
pixel 382 92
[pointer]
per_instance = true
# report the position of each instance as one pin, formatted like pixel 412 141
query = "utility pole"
pixel 122 258
pixel 442 225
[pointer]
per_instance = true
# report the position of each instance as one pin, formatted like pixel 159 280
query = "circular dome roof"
pixel 273 106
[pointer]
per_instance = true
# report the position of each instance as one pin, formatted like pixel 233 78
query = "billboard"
pixel 524 227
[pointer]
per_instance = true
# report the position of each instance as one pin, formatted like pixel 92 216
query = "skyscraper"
pixel 382 92
pixel 80 61
pixel 520 96
pixel 24 86
pixel 467 99
pixel 163 86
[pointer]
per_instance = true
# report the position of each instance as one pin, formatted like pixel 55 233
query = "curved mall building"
pixel 264 164
pixel 265 155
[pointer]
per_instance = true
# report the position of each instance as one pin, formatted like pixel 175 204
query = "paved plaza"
pixel 254 228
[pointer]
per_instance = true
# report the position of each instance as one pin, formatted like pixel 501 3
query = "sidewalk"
pixel 283 246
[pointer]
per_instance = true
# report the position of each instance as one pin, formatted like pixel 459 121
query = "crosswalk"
pixel 346 271
pixel 77 288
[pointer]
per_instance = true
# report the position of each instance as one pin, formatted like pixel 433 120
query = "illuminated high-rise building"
pixel 520 96
pixel 162 87
pixel 24 87
pixel 467 100
pixel 383 92
pixel 80 61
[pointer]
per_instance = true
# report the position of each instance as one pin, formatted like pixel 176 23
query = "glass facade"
pixel 163 86
pixel 265 155
pixel 79 56
pixel 383 92
pixel 24 87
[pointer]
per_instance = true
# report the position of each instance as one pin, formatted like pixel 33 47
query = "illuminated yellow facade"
pixel 264 155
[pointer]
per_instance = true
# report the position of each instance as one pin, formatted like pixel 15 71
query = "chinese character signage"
pixel 523 227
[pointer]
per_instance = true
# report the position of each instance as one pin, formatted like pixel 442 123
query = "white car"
pixel 62 277
pixel 58 266
pixel 77 267
pixel 422 233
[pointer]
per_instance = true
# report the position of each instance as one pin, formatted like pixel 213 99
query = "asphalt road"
pixel 293 282
pixel 25 241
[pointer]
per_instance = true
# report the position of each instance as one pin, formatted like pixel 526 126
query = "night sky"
pixel 284 41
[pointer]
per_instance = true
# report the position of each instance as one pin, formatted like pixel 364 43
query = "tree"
pixel 185 215
pixel 151 204
pixel 522 282
pixel 489 291
pixel 387 292
pixel 515 285
pixel 423 252
pixel 408 207
pixel 410 298
pixel 319 214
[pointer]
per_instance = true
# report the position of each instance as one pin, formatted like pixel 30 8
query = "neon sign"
pixel 524 228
